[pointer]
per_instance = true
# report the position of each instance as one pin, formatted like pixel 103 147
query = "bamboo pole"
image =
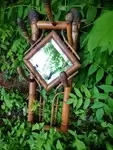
pixel 69 19
pixel 33 17
pixel 64 79
pixel 48 10
pixel 72 35
pixel 75 27
pixel 65 110
pixel 65 107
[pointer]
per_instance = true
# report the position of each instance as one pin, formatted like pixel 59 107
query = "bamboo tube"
pixel 75 27
pixel 75 34
pixel 60 25
pixel 32 97
pixel 65 110
pixel 63 78
pixel 65 107
pixel 48 10
pixel 33 17
pixel 69 19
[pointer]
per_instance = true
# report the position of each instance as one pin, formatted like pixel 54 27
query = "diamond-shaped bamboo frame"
pixel 65 50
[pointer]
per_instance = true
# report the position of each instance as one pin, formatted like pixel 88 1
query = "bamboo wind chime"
pixel 71 25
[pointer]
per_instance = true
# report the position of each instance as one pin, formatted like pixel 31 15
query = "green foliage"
pixel 91 100
pixel 11 100
pixel 102 33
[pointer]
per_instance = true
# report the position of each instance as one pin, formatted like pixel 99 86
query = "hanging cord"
pixel 62 33
pixel 36 42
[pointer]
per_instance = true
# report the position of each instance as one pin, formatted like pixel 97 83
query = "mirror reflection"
pixel 50 61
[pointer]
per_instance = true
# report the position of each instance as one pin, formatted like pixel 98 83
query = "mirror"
pixel 50 61
pixel 47 59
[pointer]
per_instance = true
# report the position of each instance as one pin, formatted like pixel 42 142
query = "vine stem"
pixel 100 67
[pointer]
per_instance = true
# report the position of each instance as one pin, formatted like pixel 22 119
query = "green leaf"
pixel 109 79
pixel 104 124
pixel 2 14
pixel 86 103
pixel 99 37
pixel 63 8
pixel 110 131
pixel 106 88
pixel 110 102
pixel 3 92
pixel 73 96
pixel 95 89
pixel 58 15
pixel 3 46
pixel 58 145
pixel 44 94
pixel 79 103
pixel 99 75
pixel 72 133
pixel 25 12
pixel 99 114
pixel 74 103
pixel 87 92
pixel 109 146
pixel 101 96
pixel 41 125
pixel 47 146
pixel 91 13
pixel 20 11
pixel 9 13
pixel 78 93
pixel 70 101
pixel 92 69
pixel 108 110
pixel 97 105
pixel 3 106
pixel 80 145
pixel 35 127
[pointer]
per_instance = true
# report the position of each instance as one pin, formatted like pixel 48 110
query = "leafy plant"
pixel 91 100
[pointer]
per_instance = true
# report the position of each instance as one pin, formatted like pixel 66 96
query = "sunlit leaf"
pixel 91 13
pixel 99 75
pixel 92 69
pixel 78 93
pixel 106 88
pixel 99 36
pixel 99 114
pixel 109 146
pixel 20 11
pixel 86 103
pixel 79 103
pixel 101 96
pixel 110 131
pixel 35 127
pixel 97 105
pixel 109 79
pixel 58 145
pixel 80 145
pixel 70 101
